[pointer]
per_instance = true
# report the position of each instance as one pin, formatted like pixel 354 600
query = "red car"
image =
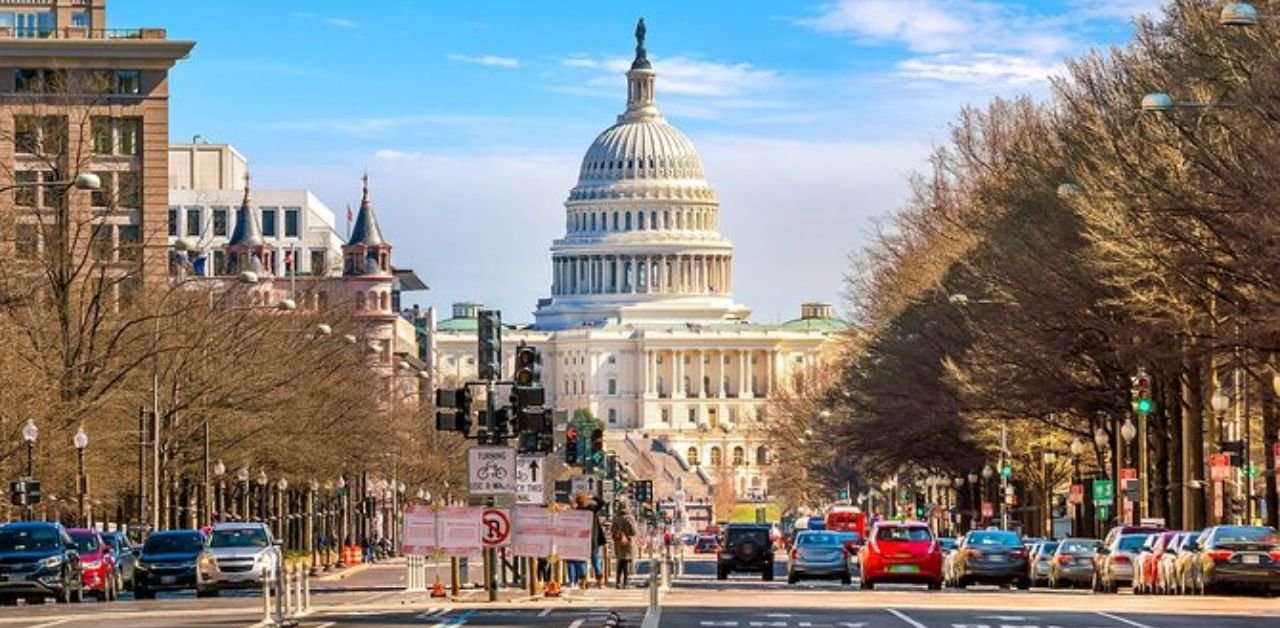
pixel 901 552
pixel 97 562
pixel 706 545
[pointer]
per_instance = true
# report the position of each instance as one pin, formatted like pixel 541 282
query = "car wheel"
pixel 35 600
pixel 792 578
pixel 767 576
pixel 868 584
pixel 721 573
pixel 140 593
pixel 935 585
pixel 1024 584
pixel 962 583
pixel 8 601
pixel 846 579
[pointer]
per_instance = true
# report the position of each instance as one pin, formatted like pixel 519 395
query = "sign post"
pixel 531 480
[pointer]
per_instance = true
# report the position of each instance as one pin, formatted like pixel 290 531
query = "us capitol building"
pixel 641 328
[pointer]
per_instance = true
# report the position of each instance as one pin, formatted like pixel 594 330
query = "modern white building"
pixel 206 185
pixel 641 327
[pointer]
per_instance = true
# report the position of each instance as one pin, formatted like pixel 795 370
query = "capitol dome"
pixel 642 236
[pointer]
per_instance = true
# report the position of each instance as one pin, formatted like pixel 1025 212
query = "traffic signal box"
pixel 1142 402
pixel 571 446
pixel 490 344
pixel 595 455
pixel 533 423
pixel 453 411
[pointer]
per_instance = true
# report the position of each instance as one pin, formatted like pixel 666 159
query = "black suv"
pixel 38 560
pixel 745 547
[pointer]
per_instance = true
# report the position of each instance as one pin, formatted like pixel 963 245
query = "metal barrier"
pixel 416 576
pixel 290 591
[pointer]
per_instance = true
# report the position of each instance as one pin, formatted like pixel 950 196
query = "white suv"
pixel 239 556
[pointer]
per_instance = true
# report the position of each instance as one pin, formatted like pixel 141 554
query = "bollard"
pixel 281 591
pixel 454 576
pixel 531 564
pixel 288 593
pixel 653 582
pixel 297 596
pixel 266 599
pixel 306 592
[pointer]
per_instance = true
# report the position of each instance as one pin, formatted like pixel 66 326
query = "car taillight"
pixel 1220 554
pixel 1017 553
pixel 1062 560
pixel 1121 558
pixel 971 553
pixel 1275 555
pixel 794 552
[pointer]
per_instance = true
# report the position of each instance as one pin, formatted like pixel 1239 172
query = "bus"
pixel 847 519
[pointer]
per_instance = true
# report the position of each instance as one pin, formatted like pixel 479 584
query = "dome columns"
pixel 642 274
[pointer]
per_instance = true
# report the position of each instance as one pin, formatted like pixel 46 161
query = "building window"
pixel 25 196
pixel 666 415
pixel 100 247
pixel 269 222
pixel 628 221
pixel 762 455
pixel 128 81
pixel 103 196
pixel 130 190
pixel 220 222
pixel 291 222
pixel 706 385
pixel 130 242
pixel 193 221
pixel 716 458
pixel 693 415
pixel 613 416
pixel 130 131
pixel 739 456
pixel 692 456
pixel 613 387
pixel 102 143
pixel 35 80
pixel 39 134
pixel 612 359
pixel 26 134
pixel 317 262
pixel 219 262
pixel 28 240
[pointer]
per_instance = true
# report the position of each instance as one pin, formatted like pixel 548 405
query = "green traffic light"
pixel 1145 406
pixel 1006 471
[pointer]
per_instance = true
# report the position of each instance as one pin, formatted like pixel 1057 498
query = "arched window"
pixel 653 220
pixel 640 221
pixel 706 385
pixel 615 221
pixel 593 221
pixel 386 301
pixel 762 455
pixel 666 220
pixel 739 456
pixel 628 222
pixel 716 458
pixel 692 456
pixel 360 300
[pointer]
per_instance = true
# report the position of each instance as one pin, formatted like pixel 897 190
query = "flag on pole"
pixel 349 218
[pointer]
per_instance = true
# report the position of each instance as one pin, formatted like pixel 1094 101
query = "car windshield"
pixel 173 544
pixel 993 538
pixel 85 543
pixel 1047 549
pixel 811 539
pixel 241 537
pixel 1189 542
pixel 1131 542
pixel 1079 547
pixel 903 533
pixel 1245 534
pixel 28 539
pixel 758 537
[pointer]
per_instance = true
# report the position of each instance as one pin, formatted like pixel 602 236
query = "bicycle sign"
pixel 491 470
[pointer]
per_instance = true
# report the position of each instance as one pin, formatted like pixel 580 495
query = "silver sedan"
pixel 818 555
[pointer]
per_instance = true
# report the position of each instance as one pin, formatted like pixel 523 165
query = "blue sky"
pixel 472 116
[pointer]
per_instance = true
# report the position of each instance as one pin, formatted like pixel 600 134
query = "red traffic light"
pixel 571 433
pixel 1144 383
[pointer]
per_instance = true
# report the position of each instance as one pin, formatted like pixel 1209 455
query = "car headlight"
pixel 92 564
pixel 50 561
pixel 206 561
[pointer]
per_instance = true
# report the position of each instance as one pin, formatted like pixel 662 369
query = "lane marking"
pixel 910 622
pixel 325 625
pixel 57 622
pixel 1122 620
pixel 546 611
pixel 576 623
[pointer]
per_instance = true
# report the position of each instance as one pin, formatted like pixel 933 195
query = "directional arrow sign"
pixel 531 480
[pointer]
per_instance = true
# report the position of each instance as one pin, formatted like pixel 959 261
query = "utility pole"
pixel 142 464
pixel 1004 477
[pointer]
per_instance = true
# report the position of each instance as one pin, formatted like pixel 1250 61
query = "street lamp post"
pixel 219 496
pixel 242 477
pixel 1127 434
pixel 262 496
pixel 30 432
pixel 976 506
pixel 342 519
pixel 282 513
pixel 1220 402
pixel 81 441
pixel 1077 449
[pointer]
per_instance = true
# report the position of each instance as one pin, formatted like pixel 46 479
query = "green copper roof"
pixel 815 324
pixel 459 324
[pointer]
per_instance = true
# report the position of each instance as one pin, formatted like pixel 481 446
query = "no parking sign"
pixel 496 527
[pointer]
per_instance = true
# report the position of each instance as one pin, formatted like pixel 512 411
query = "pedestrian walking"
pixel 624 532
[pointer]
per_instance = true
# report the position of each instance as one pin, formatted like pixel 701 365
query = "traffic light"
pixel 1142 402
pixel 596 457
pixel 571 446
pixel 528 366
pixel 644 491
pixel 24 492
pixel 490 344
pixel 453 410
pixel 611 466
pixel 919 506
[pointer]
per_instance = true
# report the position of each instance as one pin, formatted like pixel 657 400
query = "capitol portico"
pixel 641 327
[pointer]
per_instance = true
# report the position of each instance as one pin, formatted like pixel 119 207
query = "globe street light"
pixel 987 472
pixel 1128 431
pixel 242 476
pixel 81 440
pixel 219 498
pixel 1101 439
pixel 262 493
pixel 30 433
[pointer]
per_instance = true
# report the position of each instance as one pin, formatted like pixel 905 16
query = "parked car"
pixel 901 552
pixel 1072 563
pixel 818 555
pixel 243 555
pixel 1146 565
pixel 1113 564
pixel 745 547
pixel 97 564
pixel 38 560
pixel 1039 560
pixel 706 545
pixel 1185 563
pixel 126 559
pixel 991 557
pixel 1238 556
pixel 168 562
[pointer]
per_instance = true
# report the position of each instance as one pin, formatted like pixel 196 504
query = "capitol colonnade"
pixel 591 274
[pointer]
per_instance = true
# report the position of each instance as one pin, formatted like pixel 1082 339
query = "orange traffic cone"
pixel 437 589
pixel 553 589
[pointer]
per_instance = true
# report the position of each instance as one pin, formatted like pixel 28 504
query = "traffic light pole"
pixel 1004 478
pixel 490 553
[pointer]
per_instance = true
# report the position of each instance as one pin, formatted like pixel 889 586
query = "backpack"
pixel 620 539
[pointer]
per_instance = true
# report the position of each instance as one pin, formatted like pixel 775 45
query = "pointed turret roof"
pixel 247 231
pixel 366 232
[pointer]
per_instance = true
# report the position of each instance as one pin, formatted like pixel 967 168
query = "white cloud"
pixel 489 60
pixel 340 22
pixel 981 68
pixel 1123 9
pixel 391 154
pixel 921 25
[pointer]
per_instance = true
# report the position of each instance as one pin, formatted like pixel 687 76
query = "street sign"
pixel 988 510
pixel 573 534
pixel 458 530
pixel 1128 473
pixel 1103 492
pixel 584 484
pixel 497 527
pixel 534 532
pixel 491 470
pixel 1076 496
pixel 531 480
pixel 1219 467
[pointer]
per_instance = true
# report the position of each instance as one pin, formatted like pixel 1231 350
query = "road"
pixel 375 597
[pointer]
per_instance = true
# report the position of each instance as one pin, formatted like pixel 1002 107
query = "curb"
pixel 652 619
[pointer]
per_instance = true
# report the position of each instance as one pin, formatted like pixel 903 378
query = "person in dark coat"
pixel 624 532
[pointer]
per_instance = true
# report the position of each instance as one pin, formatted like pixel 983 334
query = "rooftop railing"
pixel 79 32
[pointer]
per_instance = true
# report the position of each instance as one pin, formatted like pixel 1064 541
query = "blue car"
pixel 169 561
pixel 38 559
